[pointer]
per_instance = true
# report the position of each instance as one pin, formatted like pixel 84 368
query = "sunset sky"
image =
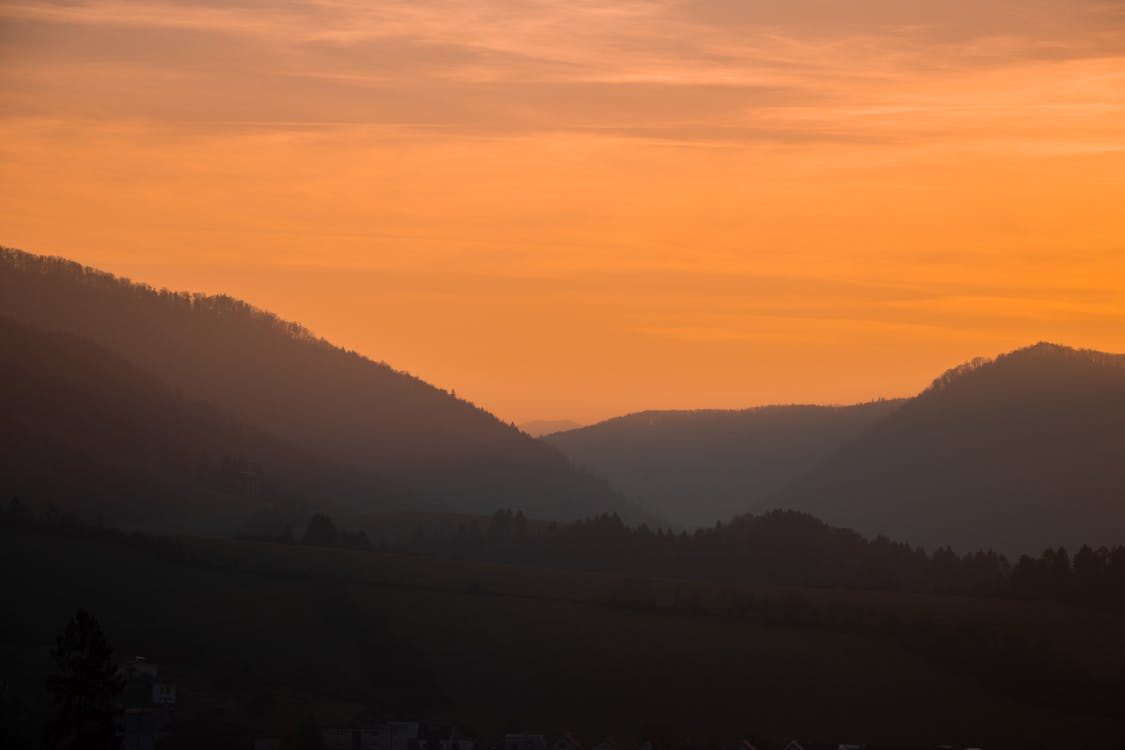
pixel 580 209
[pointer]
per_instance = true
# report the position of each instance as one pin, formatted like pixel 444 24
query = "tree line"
pixel 1092 575
pixel 779 547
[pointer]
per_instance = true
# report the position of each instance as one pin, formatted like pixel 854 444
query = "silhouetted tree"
pixel 354 540
pixel 17 511
pixel 321 532
pixel 85 689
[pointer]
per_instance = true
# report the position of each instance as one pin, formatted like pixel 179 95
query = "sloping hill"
pixel 282 379
pixel 1017 454
pixel 698 467
pixel 92 434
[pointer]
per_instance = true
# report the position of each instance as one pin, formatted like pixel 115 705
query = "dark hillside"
pixel 336 634
pixel 281 378
pixel 1020 453
pixel 95 435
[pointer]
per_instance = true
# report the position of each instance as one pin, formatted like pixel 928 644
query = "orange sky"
pixel 579 209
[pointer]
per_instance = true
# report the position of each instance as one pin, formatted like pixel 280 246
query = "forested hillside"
pixel 1019 453
pixel 282 379
pixel 92 434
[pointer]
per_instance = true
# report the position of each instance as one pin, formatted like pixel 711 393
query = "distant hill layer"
pixel 541 427
pixel 280 378
pixel 1017 454
pixel 698 467
pixel 92 434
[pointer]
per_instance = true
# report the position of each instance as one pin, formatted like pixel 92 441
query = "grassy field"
pixel 259 637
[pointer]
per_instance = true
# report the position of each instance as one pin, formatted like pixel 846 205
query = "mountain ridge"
pixel 1018 452
pixel 281 378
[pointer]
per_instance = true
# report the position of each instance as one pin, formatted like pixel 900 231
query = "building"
pixel 163 694
pixel 148 705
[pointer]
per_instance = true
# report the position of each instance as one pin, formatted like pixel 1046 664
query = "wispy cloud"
pixel 776 70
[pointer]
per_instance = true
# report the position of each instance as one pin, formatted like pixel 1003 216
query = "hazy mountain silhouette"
pixel 698 467
pixel 1017 454
pixel 282 379
pixel 541 427
pixel 97 436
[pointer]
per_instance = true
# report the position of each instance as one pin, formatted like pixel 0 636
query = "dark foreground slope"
pixel 1015 454
pixel 258 638
pixel 280 378
pixel 698 467
pixel 95 435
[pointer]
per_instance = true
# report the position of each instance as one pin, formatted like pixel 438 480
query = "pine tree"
pixel 85 689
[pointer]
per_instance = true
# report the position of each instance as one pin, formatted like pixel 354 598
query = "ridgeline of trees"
pixel 786 548
pixel 321 532
pixel 17 515
pixel 1094 575
pixel 779 548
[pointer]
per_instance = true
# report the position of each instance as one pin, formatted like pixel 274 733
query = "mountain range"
pixel 1017 453
pixel 196 412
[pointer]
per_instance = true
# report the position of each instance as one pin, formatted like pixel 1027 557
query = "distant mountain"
pixel 1018 453
pixel 94 435
pixel 541 427
pixel 694 468
pixel 281 379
